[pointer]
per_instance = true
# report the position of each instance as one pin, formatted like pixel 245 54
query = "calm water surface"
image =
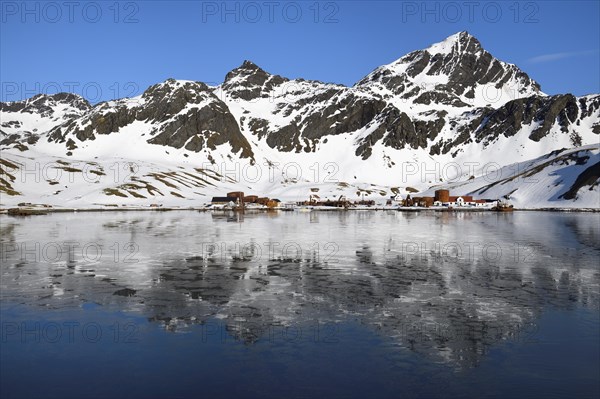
pixel 293 304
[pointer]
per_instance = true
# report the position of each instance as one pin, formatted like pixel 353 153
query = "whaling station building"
pixel 238 199
pixel 443 198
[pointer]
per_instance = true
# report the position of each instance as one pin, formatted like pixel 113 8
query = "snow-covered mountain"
pixel 449 115
pixel 456 72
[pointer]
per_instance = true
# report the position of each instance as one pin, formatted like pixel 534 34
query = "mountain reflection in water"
pixel 446 285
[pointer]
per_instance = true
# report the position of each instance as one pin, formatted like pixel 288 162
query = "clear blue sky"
pixel 122 50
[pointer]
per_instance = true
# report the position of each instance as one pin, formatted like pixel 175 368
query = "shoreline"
pixel 35 211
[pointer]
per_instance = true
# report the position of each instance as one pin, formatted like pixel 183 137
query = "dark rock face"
pixel 431 128
pixel 72 107
pixel 323 119
pixel 43 104
pixel 438 97
pixel 211 126
pixel 510 118
pixel 286 139
pixel 469 64
pixel 396 129
pixel 589 177
pixel 170 107
pixel 466 65
pixel 258 126
pixel 158 103
pixel 358 112
pixel 488 124
pixel 8 139
pixel 589 106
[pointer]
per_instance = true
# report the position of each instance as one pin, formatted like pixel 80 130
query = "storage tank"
pixel 236 194
pixel 442 195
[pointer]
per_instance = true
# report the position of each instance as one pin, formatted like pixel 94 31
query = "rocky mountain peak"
pixel 461 42
pixel 47 104
pixel 172 89
pixel 457 71
pixel 249 81
pixel 250 65
pixel 248 69
pixel 71 99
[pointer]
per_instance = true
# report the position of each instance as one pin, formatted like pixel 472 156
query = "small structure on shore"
pixel 503 206
pixel 250 199
pixel 425 202
pixel 237 200
pixel 341 202
pixel 223 200
pixel 443 198
pixel 239 197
